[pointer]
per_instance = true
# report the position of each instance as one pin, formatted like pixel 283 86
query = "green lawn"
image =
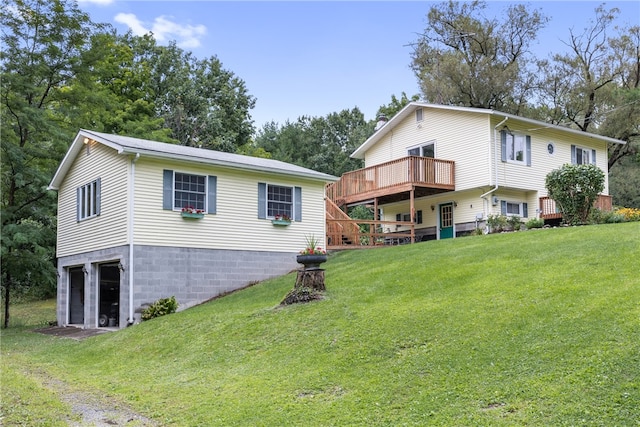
pixel 530 328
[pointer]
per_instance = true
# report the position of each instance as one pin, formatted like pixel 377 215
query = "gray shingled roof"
pixel 128 145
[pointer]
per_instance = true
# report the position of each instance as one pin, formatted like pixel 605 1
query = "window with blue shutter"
pixel 515 147
pixel 508 208
pixel 582 156
pixel 279 200
pixel 182 190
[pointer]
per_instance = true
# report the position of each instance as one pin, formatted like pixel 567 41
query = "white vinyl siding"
pixel 519 176
pixel 235 225
pixel 460 136
pixel 111 225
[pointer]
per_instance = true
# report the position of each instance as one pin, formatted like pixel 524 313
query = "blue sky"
pixel 315 58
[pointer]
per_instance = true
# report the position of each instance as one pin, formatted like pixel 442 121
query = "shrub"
pixel 534 223
pixel 575 188
pixel 477 232
pixel 615 217
pixel 496 223
pixel 605 217
pixel 514 222
pixel 160 308
pixel 630 214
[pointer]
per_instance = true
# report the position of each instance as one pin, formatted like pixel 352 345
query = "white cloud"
pixel 164 29
pixel 131 21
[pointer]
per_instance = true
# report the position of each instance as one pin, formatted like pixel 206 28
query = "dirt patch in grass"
pixel 94 410
pixel 71 332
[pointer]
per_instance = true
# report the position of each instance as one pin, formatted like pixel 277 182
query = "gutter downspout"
pixel 131 213
pixel 495 147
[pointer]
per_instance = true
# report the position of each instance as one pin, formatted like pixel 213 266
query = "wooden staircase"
pixel 341 229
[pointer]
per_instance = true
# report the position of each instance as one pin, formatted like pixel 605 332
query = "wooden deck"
pixel 392 181
pixel 549 210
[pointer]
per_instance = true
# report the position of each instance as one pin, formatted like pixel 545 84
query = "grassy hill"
pixel 529 328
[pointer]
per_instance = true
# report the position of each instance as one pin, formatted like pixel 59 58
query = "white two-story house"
pixel 436 172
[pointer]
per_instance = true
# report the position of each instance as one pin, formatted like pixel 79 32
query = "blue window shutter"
pixel 297 207
pixel 211 194
pixel 78 203
pixel 503 144
pixel 593 157
pixel 525 211
pixel 573 154
pixel 503 207
pixel 262 200
pixel 98 195
pixel 167 189
pixel 419 217
pixel 528 150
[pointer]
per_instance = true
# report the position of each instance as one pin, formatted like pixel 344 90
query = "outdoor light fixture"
pixel 433 208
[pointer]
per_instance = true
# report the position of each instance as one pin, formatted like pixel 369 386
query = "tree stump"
pixel 309 286
pixel 313 279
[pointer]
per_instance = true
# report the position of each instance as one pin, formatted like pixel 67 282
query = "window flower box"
pixel 191 212
pixel 281 220
pixel 191 215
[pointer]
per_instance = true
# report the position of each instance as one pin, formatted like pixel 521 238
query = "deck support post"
pixel 412 207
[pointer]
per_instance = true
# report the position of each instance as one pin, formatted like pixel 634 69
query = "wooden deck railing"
pixel 340 227
pixel 370 233
pixel 549 210
pixel 367 182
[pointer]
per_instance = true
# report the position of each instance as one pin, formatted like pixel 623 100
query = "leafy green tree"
pixel 43 41
pixel 624 182
pixel 594 86
pixel 202 103
pixel 464 59
pixel 575 189
pixel 391 109
pixel 320 143
pixel 115 97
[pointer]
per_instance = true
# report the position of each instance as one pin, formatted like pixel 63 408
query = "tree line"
pixel 61 72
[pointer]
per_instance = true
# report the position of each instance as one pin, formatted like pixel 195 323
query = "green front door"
pixel 446 221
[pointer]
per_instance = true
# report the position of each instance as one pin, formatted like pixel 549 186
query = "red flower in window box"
pixel 192 210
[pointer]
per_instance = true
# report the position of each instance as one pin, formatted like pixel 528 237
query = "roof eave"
pixel 234 165
pixel 402 114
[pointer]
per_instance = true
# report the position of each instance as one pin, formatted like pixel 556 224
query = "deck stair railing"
pixel 344 232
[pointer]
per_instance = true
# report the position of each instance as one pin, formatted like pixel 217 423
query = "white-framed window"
pixel 582 156
pixel 280 200
pixel 425 150
pixel 88 200
pixel 189 191
pixel 181 190
pixel 510 208
pixel 419 116
pixel 516 147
